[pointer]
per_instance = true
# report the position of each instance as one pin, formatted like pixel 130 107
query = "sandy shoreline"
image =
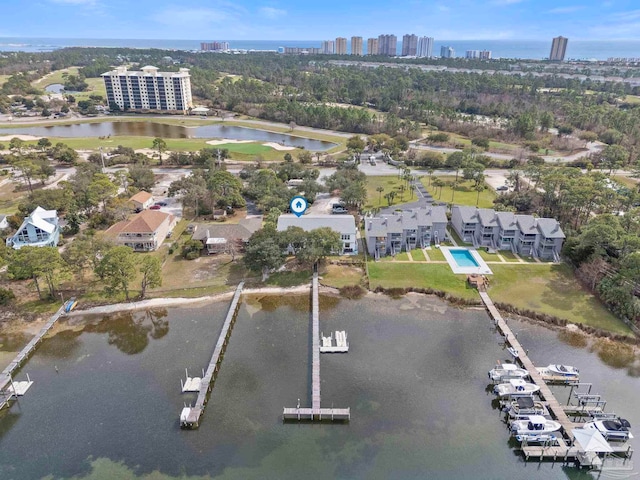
pixel 26 138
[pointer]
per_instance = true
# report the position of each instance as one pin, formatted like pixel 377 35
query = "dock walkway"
pixel 315 412
pixel 190 416
pixel 7 374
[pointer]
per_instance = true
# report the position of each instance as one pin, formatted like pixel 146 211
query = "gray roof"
pixel 405 220
pixel 468 214
pixel 527 224
pixel 375 227
pixel 228 231
pixel 2 217
pixel 487 217
pixel 343 224
pixel 506 220
pixel 549 228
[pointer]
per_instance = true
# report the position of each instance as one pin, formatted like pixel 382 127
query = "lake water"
pixel 54 88
pixel 152 129
pixel 415 379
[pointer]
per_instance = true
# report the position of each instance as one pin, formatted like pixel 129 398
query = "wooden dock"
pixel 566 449
pixel 190 416
pixel 316 412
pixel 7 393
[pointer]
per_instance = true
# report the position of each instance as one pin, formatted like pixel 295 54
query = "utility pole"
pixel 102 159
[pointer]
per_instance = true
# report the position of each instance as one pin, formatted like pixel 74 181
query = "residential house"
pixel 345 225
pixel 40 229
pixel 144 232
pixel 406 230
pixel 220 238
pixel 141 200
pixel 4 223
pixel 522 234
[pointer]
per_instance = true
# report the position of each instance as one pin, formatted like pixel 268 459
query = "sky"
pixel 325 19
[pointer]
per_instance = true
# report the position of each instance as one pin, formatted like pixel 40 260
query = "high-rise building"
pixel 425 47
pixel 372 46
pixel 447 52
pixel 472 54
pixel 356 46
pixel 328 47
pixel 558 49
pixel 485 55
pixel 341 46
pixel 409 45
pixel 214 46
pixel 149 89
pixel 387 45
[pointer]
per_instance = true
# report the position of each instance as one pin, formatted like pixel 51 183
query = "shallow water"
pixel 415 379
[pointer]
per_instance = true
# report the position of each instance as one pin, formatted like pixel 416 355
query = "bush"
pixel 352 292
pixel 6 296
pixel 481 142
pixel 191 249
pixel 438 137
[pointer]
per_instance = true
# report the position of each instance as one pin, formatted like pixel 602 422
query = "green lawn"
pixel 627 181
pixel 3 79
pixel 456 237
pixel 402 257
pixel 550 289
pixel 464 192
pixel 436 255
pixel 418 255
pixel 54 77
pixel 389 183
pixel 508 256
pixel 340 276
pixel 488 257
pixel 419 275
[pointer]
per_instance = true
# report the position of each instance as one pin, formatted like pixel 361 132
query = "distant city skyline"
pixel 286 19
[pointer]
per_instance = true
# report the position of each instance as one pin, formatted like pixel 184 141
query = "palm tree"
pixel 380 189
pixel 479 188
pixel 437 182
pixel 431 171
pixel 401 188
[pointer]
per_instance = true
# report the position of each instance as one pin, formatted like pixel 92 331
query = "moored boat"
pixel 559 370
pixel 516 387
pixel 523 407
pixel 611 429
pixel 506 371
pixel 535 425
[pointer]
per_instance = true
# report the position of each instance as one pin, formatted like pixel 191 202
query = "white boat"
pixel 612 429
pixel 516 387
pixel 560 371
pixel 535 425
pixel 513 352
pixel 548 439
pixel 506 371
pixel 523 407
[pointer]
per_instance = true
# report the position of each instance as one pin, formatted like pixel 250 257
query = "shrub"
pixel 6 296
pixel 352 292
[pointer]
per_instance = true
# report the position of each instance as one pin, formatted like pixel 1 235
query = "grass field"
pixel 389 183
pixel 550 289
pixel 436 255
pixel 464 192
pixel 418 255
pixel 3 79
pixel 508 256
pixel 627 181
pixel 340 276
pixel 488 257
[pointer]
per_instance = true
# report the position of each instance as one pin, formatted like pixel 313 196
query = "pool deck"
pixel 482 268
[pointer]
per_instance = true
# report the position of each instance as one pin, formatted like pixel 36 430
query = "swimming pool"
pixel 465 261
pixel 464 258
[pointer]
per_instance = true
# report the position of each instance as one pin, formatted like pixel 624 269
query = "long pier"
pixel 316 412
pixel 6 394
pixel 190 416
pixel 566 449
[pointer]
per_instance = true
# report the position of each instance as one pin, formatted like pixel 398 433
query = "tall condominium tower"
pixel 372 46
pixel 149 89
pixel 409 45
pixel 328 47
pixel 341 46
pixel 558 49
pixel 425 47
pixel 356 46
pixel 447 52
pixel 388 45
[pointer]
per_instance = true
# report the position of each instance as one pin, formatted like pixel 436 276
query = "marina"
pixel 567 446
pixel 190 416
pixel 316 412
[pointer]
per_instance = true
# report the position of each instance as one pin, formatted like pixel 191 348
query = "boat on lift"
pixel 611 429
pixel 516 387
pixel 558 370
pixel 523 407
pixel 507 370
pixel 535 425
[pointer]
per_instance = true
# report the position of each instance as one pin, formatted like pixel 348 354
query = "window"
pixel 345 237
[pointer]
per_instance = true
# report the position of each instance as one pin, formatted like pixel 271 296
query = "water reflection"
pixel 130 332
pixel 299 303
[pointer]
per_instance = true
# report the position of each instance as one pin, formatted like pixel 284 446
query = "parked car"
pixel 502 188
pixel 162 204
pixel 154 207
pixel 339 209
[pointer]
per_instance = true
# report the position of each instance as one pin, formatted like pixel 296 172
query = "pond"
pixel 54 88
pixel 153 129
pixel 106 397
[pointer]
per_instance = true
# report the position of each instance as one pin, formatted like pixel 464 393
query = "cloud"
pixel 618 26
pixel 571 9
pixel 196 17
pixel 272 13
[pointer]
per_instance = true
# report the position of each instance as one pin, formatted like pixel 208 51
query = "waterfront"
pixel 525 49
pixel 415 379
pixel 153 129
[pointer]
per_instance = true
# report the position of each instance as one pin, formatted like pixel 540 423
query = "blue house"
pixel 40 229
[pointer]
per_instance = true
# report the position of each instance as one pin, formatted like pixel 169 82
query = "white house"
pixel 4 223
pixel 345 225
pixel 142 200
pixel 40 229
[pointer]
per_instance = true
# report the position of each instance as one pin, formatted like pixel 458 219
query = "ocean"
pixel 525 49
